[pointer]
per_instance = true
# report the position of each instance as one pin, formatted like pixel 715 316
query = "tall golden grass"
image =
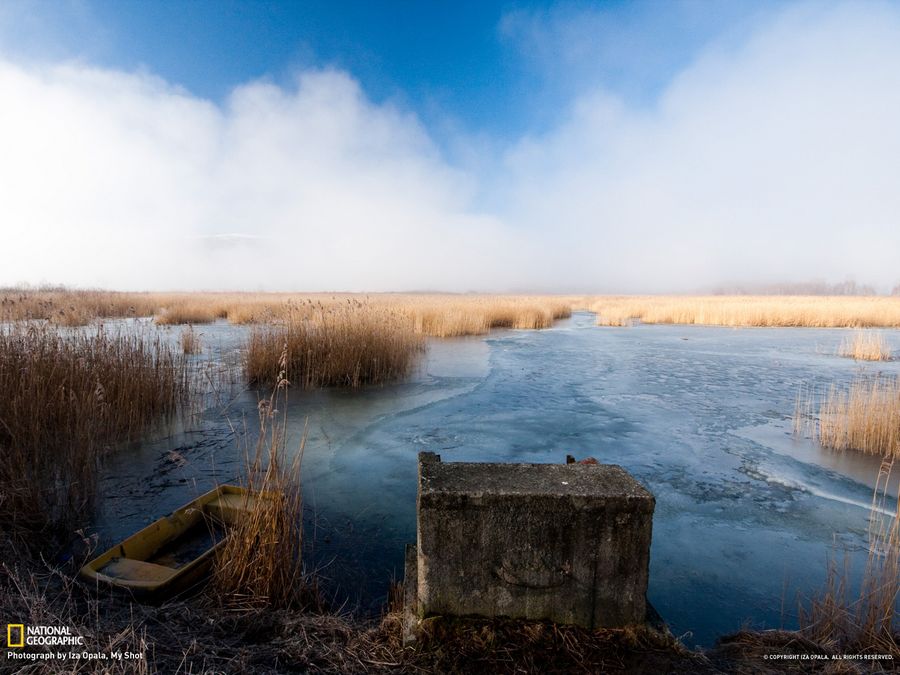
pixel 448 315
pixel 453 316
pixel 866 346
pixel 351 344
pixel 865 417
pixel 437 315
pixel 63 400
pixel 260 562
pixel 72 308
pixel 808 311
pixel 190 311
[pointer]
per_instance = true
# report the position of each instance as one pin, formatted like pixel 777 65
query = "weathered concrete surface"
pixel 410 596
pixel 564 542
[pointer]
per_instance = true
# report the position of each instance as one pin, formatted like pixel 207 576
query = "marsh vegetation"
pixel 863 416
pixel 747 310
pixel 71 391
pixel 349 344
pixel 436 315
pixel 66 399
pixel 866 346
pixel 76 393
pixel 260 564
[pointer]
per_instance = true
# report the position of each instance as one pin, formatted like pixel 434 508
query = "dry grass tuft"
pixel 190 341
pixel 866 346
pixel 260 564
pixel 64 400
pixel 449 645
pixel 352 344
pixel 746 310
pixel 865 417
pixel 614 321
pixel 749 652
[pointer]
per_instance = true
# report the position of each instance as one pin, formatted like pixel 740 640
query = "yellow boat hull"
pixel 172 554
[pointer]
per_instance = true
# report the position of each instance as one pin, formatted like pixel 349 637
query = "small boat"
pixel 174 553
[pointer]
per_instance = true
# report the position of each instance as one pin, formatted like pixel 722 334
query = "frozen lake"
pixel 746 515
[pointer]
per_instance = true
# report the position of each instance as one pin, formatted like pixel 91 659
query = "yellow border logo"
pixel 9 634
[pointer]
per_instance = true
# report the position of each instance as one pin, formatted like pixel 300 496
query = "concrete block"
pixel 568 543
pixel 409 618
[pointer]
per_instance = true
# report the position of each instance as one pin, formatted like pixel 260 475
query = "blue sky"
pixel 496 67
pixel 567 147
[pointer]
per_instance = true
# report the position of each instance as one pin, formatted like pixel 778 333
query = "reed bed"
pixel 189 312
pixel 455 316
pixel 259 311
pixel 434 315
pixel 437 315
pixel 350 345
pixel 771 311
pixel 72 308
pixel 260 564
pixel 865 417
pixel 65 399
pixel 449 315
pixel 449 322
pixel 866 346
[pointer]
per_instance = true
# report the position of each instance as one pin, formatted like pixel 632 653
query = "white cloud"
pixel 121 180
pixel 772 159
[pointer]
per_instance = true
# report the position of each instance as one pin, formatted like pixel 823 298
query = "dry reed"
pixel 242 313
pixel 864 417
pixel 807 311
pixel 437 315
pixel 260 564
pixel 72 308
pixel 453 316
pixel 867 623
pixel 185 312
pixel 64 400
pixel 351 345
pixel 866 346
pixel 190 341
pixel 615 321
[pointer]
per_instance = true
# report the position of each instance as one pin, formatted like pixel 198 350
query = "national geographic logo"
pixel 15 635
pixel 18 636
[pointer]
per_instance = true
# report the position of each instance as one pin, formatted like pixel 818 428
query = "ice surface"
pixel 746 515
